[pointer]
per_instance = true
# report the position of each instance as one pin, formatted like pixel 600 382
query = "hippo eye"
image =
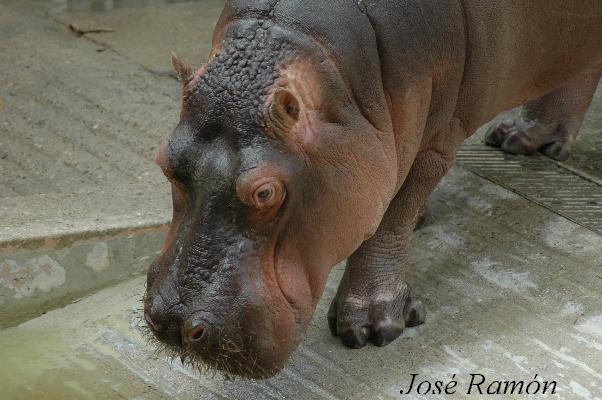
pixel 264 194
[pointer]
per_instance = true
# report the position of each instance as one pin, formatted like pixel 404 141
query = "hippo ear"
pixel 284 112
pixel 183 72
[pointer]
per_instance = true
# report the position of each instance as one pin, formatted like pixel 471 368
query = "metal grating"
pixel 552 185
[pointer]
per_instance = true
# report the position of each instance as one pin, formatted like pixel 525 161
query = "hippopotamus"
pixel 315 133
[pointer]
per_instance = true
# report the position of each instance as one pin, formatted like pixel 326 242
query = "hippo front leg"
pixel 373 301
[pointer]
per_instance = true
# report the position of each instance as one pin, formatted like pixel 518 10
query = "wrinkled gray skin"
pixel 317 131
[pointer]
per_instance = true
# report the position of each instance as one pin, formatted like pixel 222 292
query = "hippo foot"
pixel 528 137
pixel 377 317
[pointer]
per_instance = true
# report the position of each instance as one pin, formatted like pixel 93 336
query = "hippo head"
pixel 276 177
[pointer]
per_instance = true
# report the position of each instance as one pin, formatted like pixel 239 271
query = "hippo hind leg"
pixel 550 123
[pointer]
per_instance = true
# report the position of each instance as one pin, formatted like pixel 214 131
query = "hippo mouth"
pixel 233 353
pixel 226 348
pixel 230 355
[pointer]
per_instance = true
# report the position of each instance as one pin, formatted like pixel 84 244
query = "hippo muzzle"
pixel 224 325
pixel 213 297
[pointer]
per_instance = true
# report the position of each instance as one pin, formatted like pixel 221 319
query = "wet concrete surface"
pixel 511 291
pixel 587 153
pixel 511 288
pixel 157 33
pixel 71 114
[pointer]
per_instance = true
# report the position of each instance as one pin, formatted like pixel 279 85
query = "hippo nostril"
pixel 195 334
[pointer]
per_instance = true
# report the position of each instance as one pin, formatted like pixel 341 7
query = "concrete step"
pixel 55 248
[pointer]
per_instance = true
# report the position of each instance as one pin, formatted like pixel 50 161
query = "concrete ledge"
pixel 78 243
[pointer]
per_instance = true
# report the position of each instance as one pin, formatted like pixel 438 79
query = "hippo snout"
pixel 169 328
pixel 169 321
pixel 222 327
pixel 164 321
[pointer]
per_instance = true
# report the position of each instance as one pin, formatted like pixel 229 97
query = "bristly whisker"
pixel 233 359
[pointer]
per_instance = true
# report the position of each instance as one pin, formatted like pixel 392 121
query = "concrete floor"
pixel 512 289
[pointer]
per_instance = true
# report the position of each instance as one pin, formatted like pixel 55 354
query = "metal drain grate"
pixel 540 180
